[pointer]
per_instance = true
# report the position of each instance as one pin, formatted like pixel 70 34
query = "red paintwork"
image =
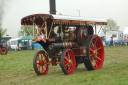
pixel 40 60
pixel 96 58
pixel 3 51
pixel 68 58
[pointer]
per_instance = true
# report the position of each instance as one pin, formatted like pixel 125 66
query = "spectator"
pixel 9 46
pixel 20 46
pixel 27 45
pixel 125 40
pixel 111 42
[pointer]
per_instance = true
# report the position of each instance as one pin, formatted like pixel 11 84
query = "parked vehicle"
pixel 117 37
pixel 13 43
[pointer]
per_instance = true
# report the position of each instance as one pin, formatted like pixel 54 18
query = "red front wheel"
pixel 4 51
pixel 68 61
pixel 40 63
pixel 95 53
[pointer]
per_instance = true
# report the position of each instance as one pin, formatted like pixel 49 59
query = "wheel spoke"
pixel 92 58
pixel 92 45
pixel 37 58
pixel 98 57
pixel 69 68
pixel 95 42
pixel 66 64
pixel 91 54
pixel 41 57
pixel 98 48
pixel 91 49
pixel 42 68
pixel 39 68
pixel 68 56
pixel 95 63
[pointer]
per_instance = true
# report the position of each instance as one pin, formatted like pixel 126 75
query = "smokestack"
pixel 0 36
pixel 3 4
pixel 1 15
pixel 52 6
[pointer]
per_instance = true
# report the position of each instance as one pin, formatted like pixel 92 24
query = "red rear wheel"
pixel 39 63
pixel 4 51
pixel 95 53
pixel 68 61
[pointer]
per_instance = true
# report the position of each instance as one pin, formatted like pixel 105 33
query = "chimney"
pixel 0 36
pixel 52 6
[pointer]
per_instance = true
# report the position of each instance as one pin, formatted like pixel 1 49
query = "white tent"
pixel 99 32
pixel 125 33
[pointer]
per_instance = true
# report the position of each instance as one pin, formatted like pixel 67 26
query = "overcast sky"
pixel 104 9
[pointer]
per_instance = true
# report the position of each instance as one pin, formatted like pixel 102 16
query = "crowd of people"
pixel 125 41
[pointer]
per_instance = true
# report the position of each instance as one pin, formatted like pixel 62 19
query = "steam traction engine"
pixel 67 40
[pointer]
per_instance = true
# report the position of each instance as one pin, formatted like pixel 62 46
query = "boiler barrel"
pixel 54 47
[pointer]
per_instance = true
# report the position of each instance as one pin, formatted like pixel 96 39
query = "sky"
pixel 15 10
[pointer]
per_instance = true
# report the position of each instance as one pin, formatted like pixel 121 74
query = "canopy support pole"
pixel 46 29
pixel 99 30
pixel 50 30
pixel 61 33
pixel 95 30
pixel 34 30
pixel 38 28
pixel 28 31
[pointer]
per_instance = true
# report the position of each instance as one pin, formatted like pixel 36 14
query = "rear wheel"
pixel 68 62
pixel 4 51
pixel 39 63
pixel 95 53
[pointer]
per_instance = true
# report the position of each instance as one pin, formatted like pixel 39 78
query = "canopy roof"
pixel 25 38
pixel 40 18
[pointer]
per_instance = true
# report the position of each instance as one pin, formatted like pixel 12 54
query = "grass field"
pixel 16 68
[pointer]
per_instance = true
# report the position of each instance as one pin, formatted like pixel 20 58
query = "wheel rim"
pixel 4 51
pixel 96 52
pixel 41 61
pixel 69 62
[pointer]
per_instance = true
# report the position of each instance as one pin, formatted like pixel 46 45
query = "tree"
pixel 3 31
pixel 111 26
pixel 24 32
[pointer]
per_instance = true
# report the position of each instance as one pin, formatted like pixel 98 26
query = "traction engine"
pixel 68 41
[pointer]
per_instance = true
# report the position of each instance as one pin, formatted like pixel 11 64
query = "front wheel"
pixel 68 61
pixel 40 63
pixel 95 53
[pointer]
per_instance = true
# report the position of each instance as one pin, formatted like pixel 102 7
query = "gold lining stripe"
pixel 81 55
pixel 79 48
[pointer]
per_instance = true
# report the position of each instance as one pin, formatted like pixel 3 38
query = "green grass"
pixel 16 68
